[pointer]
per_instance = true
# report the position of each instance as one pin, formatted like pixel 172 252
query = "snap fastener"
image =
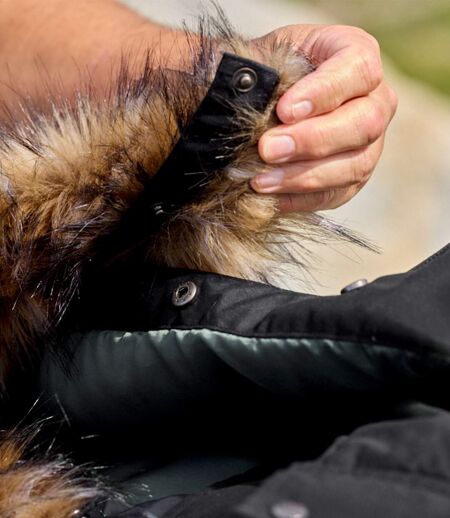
pixel 354 286
pixel 158 209
pixel 289 509
pixel 162 209
pixel 184 293
pixel 244 80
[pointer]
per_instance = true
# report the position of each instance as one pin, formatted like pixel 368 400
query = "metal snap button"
pixel 244 80
pixel 354 285
pixel 289 509
pixel 184 293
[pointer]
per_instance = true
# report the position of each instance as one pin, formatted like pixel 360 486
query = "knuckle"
pixel 370 69
pixel 316 143
pixel 336 92
pixel 375 124
pixel 393 97
pixel 362 168
pixel 308 183
pixel 332 92
pixel 373 42
pixel 351 31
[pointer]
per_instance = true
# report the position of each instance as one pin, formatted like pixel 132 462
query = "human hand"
pixel 333 121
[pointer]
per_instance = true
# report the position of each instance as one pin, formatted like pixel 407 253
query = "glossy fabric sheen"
pixel 142 378
pixel 246 366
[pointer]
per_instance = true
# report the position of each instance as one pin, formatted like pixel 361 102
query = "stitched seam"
pixel 431 258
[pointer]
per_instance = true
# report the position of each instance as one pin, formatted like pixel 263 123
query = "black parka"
pixel 249 400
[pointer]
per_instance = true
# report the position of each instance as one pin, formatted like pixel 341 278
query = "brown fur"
pixel 38 489
pixel 66 182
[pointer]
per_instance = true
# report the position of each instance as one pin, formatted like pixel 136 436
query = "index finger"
pixel 351 67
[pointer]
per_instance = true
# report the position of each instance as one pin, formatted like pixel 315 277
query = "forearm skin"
pixel 65 44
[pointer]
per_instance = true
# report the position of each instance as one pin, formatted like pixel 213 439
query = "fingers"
pixel 350 66
pixel 333 121
pixel 339 172
pixel 356 124
pixel 322 200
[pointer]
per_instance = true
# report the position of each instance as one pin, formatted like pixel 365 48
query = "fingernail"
pixel 268 180
pixel 302 109
pixel 279 148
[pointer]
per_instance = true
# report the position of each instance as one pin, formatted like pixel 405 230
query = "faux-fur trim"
pixel 66 181
pixel 39 489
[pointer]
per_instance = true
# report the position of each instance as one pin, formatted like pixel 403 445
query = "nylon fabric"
pixel 160 374
pixel 251 376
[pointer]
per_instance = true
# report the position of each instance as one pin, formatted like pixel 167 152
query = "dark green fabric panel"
pixel 184 475
pixel 143 378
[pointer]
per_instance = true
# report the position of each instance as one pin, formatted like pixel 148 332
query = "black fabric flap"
pixel 392 469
